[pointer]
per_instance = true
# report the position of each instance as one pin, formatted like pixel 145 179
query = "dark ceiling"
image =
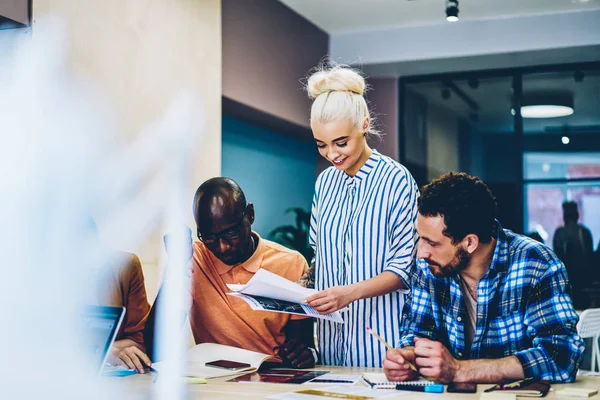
pixel 490 101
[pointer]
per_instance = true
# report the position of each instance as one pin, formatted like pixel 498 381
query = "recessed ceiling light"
pixel 565 140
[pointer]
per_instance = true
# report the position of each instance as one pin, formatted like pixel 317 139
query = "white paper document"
pixel 200 354
pixel 267 291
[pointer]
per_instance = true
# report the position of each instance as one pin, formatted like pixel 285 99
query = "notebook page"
pixel 379 381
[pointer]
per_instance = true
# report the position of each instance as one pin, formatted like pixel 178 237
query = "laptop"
pixel 101 323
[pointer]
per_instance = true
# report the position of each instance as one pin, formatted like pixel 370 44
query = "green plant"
pixel 295 236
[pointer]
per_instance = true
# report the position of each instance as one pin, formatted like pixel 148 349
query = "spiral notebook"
pixel 378 380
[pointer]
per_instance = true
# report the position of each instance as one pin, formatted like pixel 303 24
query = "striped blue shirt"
pixel 523 309
pixel 362 226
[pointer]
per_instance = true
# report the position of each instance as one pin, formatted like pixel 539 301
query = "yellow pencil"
pixel 389 346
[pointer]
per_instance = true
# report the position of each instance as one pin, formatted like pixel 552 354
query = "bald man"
pixel 229 252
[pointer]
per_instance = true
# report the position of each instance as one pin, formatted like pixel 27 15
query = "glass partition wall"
pixel 510 127
pixel 561 154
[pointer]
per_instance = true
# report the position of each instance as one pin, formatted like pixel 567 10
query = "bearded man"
pixel 487 304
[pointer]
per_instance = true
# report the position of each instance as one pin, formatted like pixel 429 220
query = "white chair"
pixel 589 327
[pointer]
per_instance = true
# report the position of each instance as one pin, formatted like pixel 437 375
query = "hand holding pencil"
pixel 399 363
pixel 389 347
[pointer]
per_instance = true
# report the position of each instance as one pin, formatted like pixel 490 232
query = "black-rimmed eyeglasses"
pixel 228 235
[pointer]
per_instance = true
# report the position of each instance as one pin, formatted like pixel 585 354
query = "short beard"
pixel 459 262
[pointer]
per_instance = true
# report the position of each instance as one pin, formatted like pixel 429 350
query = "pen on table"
pixel 491 389
pixel 149 368
pixel 503 386
pixel 431 388
pixel 518 383
pixel 389 346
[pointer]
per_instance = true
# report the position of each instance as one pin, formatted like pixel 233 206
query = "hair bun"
pixel 338 78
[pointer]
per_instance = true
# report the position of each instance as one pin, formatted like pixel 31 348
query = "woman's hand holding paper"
pixel 332 299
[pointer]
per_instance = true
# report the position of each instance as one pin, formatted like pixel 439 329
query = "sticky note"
pixel 195 380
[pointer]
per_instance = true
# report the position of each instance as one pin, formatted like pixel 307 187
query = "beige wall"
pixel 17 10
pixel 442 142
pixel 267 50
pixel 141 53
pixel 382 98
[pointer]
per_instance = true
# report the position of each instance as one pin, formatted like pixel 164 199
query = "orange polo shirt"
pixel 216 317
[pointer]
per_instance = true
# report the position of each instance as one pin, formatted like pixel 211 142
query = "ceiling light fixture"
pixel 452 10
pixel 565 140
pixel 547 105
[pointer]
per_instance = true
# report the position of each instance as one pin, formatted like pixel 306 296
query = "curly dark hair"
pixel 466 203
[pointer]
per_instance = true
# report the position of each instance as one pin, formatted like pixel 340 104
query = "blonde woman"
pixel 362 226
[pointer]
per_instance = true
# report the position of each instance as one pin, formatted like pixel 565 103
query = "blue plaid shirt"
pixel 523 309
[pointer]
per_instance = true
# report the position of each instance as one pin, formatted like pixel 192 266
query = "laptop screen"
pixel 101 323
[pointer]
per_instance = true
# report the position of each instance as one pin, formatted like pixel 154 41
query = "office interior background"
pixel 447 95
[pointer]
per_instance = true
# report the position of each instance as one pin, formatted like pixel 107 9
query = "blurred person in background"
pixel 574 246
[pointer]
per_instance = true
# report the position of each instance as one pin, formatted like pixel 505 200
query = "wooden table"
pixel 141 387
